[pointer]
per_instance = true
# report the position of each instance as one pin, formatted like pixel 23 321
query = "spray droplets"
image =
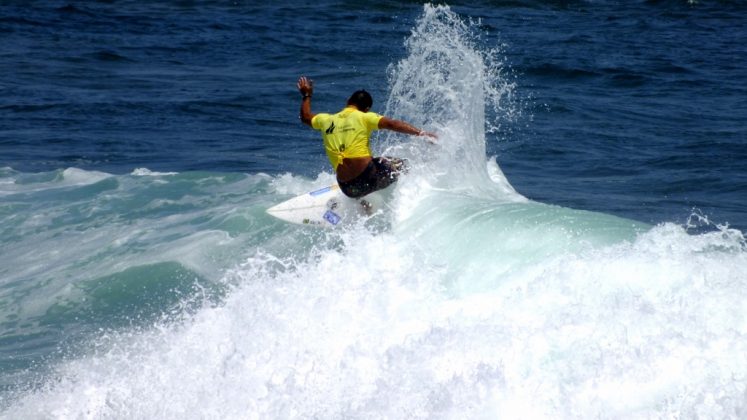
pixel 450 84
pixel 448 79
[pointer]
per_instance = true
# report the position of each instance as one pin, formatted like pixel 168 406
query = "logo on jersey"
pixel 330 129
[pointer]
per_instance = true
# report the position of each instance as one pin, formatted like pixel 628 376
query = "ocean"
pixel 572 246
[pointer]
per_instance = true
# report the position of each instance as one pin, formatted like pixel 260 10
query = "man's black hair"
pixel 361 99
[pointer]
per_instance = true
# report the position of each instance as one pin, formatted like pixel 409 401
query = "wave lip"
pixel 13 182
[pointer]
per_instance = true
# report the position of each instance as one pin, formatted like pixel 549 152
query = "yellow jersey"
pixel 346 134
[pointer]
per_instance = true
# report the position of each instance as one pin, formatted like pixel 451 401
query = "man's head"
pixel 361 100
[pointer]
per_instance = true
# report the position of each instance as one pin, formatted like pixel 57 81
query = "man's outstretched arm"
pixel 306 87
pixel 403 127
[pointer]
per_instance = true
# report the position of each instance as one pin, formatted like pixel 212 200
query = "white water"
pixel 477 303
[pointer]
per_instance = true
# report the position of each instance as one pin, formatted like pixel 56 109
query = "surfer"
pixel 346 136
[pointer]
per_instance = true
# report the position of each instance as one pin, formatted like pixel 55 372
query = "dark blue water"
pixel 141 142
pixel 634 108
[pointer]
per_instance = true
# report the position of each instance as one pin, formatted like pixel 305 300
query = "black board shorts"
pixel 380 173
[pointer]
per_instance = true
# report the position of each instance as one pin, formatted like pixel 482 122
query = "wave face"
pixel 463 299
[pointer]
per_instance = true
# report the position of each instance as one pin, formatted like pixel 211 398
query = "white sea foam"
pixel 70 177
pixel 148 172
pixel 75 176
pixel 650 328
pixel 287 184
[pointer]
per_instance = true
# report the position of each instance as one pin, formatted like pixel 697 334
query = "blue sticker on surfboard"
pixel 323 190
pixel 332 217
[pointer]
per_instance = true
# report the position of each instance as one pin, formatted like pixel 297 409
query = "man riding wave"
pixel 346 136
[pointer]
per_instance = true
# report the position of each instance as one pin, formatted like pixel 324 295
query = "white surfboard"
pixel 325 207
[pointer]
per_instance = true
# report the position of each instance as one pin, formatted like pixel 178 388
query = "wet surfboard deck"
pixel 326 207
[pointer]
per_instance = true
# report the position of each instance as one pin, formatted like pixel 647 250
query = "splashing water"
pixel 445 83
